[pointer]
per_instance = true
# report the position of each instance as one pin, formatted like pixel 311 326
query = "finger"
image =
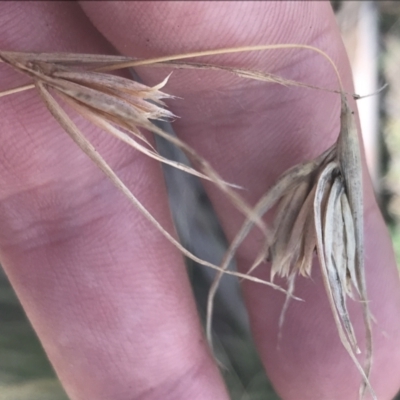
pixel 251 133
pixel 107 295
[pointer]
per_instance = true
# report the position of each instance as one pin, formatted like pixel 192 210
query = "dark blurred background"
pixel 371 32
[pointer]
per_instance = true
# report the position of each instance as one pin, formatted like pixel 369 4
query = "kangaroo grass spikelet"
pixel 319 202
pixel 120 107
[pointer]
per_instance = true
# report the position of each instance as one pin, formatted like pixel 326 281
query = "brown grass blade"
pixel 351 168
pixel 339 244
pixel 242 73
pixel 320 193
pixel 302 239
pixel 350 241
pixel 331 219
pixel 70 59
pixel 350 162
pixel 17 90
pixel 291 281
pixel 281 258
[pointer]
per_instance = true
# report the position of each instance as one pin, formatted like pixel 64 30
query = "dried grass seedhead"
pixel 323 208
pixel 112 97
pixel 319 202
pixel 120 107
pixel 320 209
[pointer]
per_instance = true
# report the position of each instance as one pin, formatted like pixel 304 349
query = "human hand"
pixel 107 295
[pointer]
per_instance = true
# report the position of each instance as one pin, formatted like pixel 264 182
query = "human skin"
pixel 107 294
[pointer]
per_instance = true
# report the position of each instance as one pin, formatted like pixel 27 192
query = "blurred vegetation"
pixel 25 373
pixel 390 113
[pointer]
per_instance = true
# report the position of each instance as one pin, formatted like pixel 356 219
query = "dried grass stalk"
pixel 319 202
